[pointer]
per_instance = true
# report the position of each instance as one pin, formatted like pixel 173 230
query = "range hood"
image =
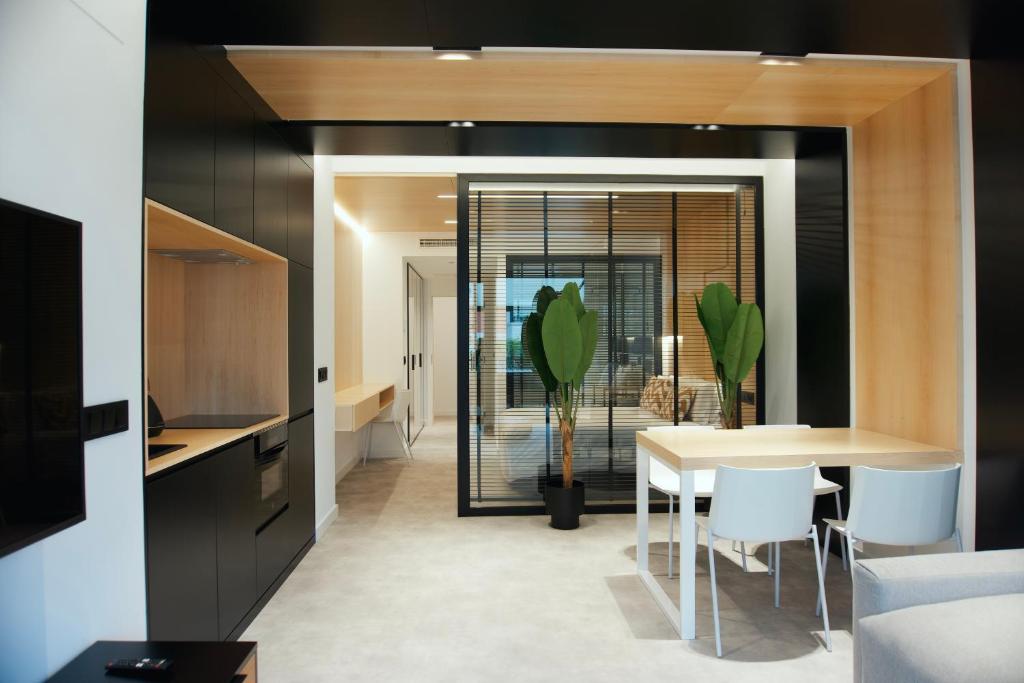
pixel 203 256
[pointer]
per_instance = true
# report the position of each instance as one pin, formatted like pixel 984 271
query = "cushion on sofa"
pixel 976 639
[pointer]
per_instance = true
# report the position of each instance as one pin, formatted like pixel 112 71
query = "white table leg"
pixel 683 620
pixel 687 558
pixel 643 466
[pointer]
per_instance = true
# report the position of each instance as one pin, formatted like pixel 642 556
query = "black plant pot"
pixel 564 505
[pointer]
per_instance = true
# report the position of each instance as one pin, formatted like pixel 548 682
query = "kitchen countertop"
pixel 200 441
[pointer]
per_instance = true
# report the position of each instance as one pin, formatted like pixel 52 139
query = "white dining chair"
pixel 763 506
pixel 899 508
pixel 822 487
pixel 395 415
pixel 664 479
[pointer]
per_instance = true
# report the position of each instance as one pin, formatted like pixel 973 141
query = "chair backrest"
pixel 657 468
pixel 762 505
pixel 757 427
pixel 400 404
pixel 903 507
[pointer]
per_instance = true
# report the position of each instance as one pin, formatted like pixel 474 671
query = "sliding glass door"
pixel 416 376
pixel 639 253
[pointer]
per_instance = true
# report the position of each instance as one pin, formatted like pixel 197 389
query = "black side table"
pixel 194 662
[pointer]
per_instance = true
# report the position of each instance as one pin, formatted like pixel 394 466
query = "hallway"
pixel 400 589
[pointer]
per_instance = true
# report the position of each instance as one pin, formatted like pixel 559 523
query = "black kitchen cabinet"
pixel 300 212
pixel 270 215
pixel 233 181
pixel 181 553
pixel 301 493
pixel 300 339
pixel 180 130
pixel 236 534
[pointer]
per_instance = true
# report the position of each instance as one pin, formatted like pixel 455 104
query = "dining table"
pixel 685 450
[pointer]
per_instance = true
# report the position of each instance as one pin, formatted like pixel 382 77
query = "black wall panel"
pixel 822 284
pixel 233 179
pixel 997 99
pixel 270 216
pixel 300 339
pixel 300 212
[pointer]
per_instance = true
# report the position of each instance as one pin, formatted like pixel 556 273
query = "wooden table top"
pixel 695 449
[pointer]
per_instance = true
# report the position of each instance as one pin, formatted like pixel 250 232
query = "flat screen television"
pixel 42 468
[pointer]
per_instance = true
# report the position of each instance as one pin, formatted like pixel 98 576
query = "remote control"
pixel 145 666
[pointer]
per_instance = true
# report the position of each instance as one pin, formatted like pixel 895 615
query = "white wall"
pixel 71 88
pixel 443 355
pixel 382 279
pixel 323 342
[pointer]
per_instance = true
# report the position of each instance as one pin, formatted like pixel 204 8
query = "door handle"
pixel 414 361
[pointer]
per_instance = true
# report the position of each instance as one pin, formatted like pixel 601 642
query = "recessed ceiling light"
pixel 447 196
pixel 450 222
pixel 781 58
pixel 461 124
pixel 454 57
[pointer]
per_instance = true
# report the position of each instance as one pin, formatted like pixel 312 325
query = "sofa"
pixel 940 617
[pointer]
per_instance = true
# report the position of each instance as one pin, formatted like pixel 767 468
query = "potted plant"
pixel 735 334
pixel 560 337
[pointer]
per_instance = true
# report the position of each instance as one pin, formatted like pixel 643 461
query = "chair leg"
pixel 369 442
pixel 714 593
pixel 743 555
pixel 771 569
pixel 403 441
pixel 824 562
pixel 959 541
pixel 670 535
pixel 819 564
pixel 849 552
pixel 839 516
pixel 778 570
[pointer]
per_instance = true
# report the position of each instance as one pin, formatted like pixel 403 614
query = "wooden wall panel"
pixel 236 338
pixel 906 268
pixel 348 308
pixel 165 334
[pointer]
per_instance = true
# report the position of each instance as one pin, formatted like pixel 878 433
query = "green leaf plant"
pixel 560 338
pixel 735 334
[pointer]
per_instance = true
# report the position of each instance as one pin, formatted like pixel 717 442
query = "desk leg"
pixel 643 465
pixel 687 558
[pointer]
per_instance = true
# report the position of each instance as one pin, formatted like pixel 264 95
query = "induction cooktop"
pixel 208 421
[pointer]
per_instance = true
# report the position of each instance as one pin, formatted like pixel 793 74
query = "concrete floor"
pixel 400 589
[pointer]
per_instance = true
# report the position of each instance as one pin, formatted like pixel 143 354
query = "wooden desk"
pixel 194 662
pixel 358 405
pixel 685 450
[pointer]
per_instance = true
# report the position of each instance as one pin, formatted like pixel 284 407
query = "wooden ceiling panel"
pixel 398 203
pixel 349 85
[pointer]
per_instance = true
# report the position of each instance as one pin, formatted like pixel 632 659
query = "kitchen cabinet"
pixel 301 493
pixel 181 553
pixel 300 339
pixel 233 178
pixel 180 131
pixel 236 534
pixel 270 214
pixel 300 212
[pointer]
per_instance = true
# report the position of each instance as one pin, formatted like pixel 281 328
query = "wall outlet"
pixel 321 374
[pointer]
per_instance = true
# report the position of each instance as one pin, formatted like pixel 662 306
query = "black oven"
pixel 271 474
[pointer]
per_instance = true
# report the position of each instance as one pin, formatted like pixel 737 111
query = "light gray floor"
pixel 400 589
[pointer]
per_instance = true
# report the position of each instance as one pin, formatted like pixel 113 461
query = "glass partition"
pixel 639 253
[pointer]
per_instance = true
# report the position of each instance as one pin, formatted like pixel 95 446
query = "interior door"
pixel 416 377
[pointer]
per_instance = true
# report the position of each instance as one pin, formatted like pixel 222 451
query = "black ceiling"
pixel 927 28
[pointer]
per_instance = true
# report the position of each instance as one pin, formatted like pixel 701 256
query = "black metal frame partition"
pixel 464 279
